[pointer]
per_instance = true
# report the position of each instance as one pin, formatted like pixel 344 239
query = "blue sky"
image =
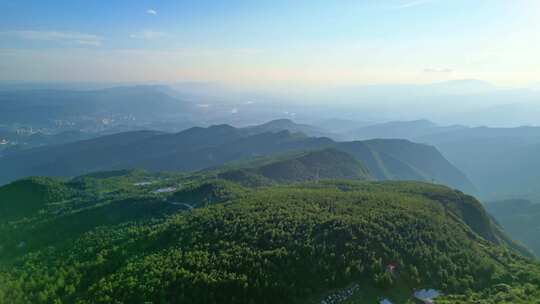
pixel 316 42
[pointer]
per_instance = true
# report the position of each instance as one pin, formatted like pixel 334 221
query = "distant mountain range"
pixel 175 106
pixel 501 162
pixel 78 109
pixel 198 148
pixel 400 129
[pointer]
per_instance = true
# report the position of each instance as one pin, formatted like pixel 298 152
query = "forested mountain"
pixel 318 165
pixel 113 237
pixel 198 148
pixel 25 197
pixel 269 152
pixel 388 159
pixel 38 212
pixel 40 116
pixel 73 158
pixel 503 167
pixel 289 125
pixel 501 162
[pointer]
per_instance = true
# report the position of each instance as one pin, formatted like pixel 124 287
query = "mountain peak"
pixel 462 86
pixel 221 127
pixel 280 121
pixel 287 124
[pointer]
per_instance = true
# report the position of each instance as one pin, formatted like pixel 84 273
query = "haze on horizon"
pixel 272 43
pixel 270 151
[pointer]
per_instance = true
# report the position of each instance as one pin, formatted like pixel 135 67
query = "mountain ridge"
pixel 199 148
pixel 328 163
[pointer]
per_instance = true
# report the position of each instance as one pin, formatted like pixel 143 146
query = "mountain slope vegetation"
pixel 27 196
pixel 278 244
pixel 501 162
pixel 317 165
pixel 288 125
pixel 200 148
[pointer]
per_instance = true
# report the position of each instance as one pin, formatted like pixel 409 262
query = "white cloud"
pixel 151 12
pixel 234 111
pixel 147 34
pixel 55 36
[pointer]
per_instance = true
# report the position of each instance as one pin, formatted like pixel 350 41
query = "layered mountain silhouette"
pixel 42 106
pixel 400 129
pixel 198 148
pixel 501 162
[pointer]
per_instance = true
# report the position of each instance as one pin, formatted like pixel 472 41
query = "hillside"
pixel 75 158
pixel 388 159
pixel 38 212
pixel 520 218
pixel 200 148
pixel 280 244
pixel 501 162
pixel 206 193
pixel 25 197
pixel 316 165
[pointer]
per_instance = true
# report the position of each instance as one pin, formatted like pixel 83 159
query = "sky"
pixel 275 42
